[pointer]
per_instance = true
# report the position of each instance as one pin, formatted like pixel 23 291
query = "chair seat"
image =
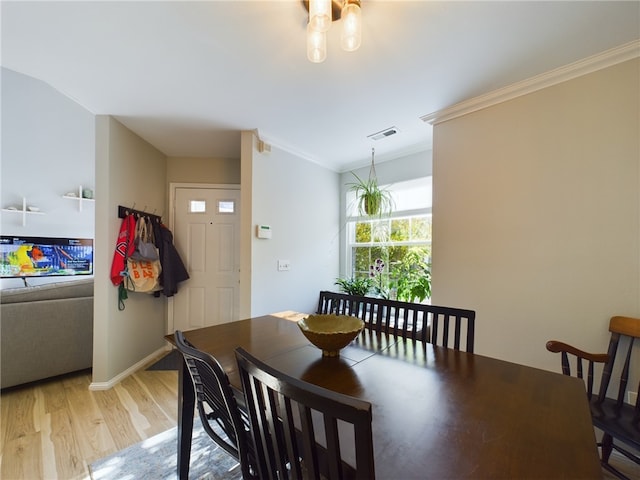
pixel 622 422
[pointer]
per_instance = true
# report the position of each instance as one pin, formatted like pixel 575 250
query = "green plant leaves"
pixel 355 286
pixel 371 200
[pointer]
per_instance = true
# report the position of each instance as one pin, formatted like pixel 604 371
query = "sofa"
pixel 45 330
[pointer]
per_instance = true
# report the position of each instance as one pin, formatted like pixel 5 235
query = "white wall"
pixel 536 216
pixel 129 172
pixel 300 201
pixel 48 144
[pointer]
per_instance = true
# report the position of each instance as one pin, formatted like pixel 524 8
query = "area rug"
pixel 156 459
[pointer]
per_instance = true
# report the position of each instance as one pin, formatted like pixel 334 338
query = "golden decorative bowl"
pixel 330 333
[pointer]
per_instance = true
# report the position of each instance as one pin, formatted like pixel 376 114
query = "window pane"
pixel 380 231
pixel 396 254
pixel 361 260
pixel 400 230
pixel 421 228
pixel 363 232
pixel 226 206
pixel 379 252
pixel 197 206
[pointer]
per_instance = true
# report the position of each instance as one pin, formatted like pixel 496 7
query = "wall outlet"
pixel 284 265
pixel 632 397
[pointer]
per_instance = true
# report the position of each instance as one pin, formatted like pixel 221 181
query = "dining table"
pixel 437 412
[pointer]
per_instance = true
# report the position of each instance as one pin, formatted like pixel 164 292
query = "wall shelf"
pixel 78 198
pixel 24 211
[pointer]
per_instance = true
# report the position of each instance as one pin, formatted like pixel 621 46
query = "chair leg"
pixel 607 447
pixel 614 471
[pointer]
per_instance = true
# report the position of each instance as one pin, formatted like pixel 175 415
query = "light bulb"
pixel 320 15
pixel 351 27
pixel 316 45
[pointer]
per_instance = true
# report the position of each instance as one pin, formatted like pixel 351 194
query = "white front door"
pixel 207 237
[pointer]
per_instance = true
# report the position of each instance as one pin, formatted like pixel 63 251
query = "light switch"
pixel 284 265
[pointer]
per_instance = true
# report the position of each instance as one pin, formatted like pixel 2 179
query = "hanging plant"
pixel 371 200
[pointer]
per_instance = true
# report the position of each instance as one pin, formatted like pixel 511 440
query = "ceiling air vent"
pixel 387 132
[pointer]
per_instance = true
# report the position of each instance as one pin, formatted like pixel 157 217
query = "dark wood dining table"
pixel 437 413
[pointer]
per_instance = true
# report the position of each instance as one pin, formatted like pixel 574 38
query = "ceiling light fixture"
pixel 321 14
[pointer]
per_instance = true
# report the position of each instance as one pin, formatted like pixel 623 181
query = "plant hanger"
pixel 372 171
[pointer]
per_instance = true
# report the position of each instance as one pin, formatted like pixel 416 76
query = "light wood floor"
pixel 55 429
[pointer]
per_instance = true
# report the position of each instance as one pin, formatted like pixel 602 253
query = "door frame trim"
pixel 173 186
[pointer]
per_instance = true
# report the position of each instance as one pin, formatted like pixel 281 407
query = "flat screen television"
pixel 45 256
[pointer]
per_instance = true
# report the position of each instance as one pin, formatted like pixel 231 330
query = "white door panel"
pixel 207 236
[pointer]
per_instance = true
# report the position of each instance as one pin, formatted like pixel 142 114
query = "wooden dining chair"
pixel 220 406
pixel 445 326
pixel 619 421
pixel 301 430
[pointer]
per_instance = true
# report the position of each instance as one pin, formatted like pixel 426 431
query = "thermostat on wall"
pixel 263 231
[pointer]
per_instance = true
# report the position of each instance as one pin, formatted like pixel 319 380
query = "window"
pixel 197 206
pixel 395 252
pixel 226 206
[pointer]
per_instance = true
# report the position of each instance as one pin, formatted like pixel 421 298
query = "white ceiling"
pixel 188 76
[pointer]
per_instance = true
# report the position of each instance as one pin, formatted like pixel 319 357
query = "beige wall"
pixel 537 213
pixel 128 171
pixel 203 170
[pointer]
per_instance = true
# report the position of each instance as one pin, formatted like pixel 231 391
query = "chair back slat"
pixel 333 447
pixel 607 372
pixel 566 368
pixel 624 376
pixel 295 426
pixel 307 434
pixel 445 326
pixel 621 327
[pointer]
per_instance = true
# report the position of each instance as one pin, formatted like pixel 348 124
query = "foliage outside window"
pixel 403 245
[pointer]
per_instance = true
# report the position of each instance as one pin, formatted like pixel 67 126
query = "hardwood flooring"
pixel 55 429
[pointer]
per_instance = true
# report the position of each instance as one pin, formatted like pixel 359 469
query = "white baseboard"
pixel 131 370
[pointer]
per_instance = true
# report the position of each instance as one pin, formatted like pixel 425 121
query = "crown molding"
pixel 591 64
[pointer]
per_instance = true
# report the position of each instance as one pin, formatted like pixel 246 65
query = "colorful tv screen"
pixel 45 256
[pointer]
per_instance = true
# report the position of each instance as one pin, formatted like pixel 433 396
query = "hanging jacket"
pixel 173 270
pixel 125 246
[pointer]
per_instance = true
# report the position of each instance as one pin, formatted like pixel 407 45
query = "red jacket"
pixel 125 246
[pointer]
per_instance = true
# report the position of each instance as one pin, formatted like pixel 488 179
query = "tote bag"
pixel 143 275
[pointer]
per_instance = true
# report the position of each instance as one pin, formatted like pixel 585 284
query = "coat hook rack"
pixel 124 211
